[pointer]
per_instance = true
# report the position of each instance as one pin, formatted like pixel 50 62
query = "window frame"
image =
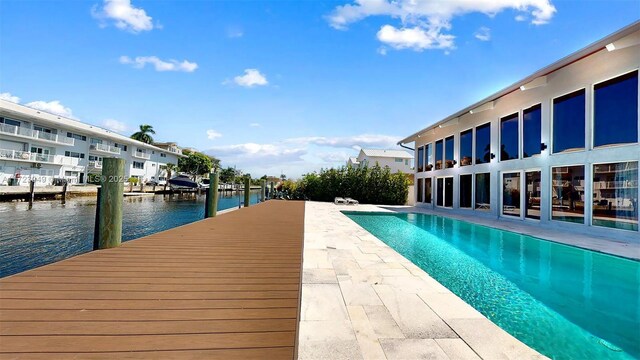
pixel 475 208
pixel 472 205
pixel 444 191
pixel 541 130
pixel 523 194
pixel 453 155
pixel 426 158
pixel 502 214
pixel 552 121
pixel 500 118
pixel 435 153
pixel 475 143
pixel 588 196
pixel 472 131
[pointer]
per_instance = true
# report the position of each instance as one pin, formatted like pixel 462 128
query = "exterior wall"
pixel 404 166
pixel 73 159
pixel 598 67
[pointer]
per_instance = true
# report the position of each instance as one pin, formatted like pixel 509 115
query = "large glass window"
pixel 429 157
pixel 439 191
pixel 465 190
pixel 466 147
pixel 448 152
pixel 420 159
pixel 511 194
pixel 427 190
pixel 615 110
pixel 615 195
pixel 531 131
pixel 532 200
pixel 483 191
pixel 509 137
pixel 448 192
pixel 439 154
pixel 567 191
pixel 568 122
pixel 419 190
pixel 483 144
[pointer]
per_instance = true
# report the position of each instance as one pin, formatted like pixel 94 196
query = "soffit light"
pixel 537 82
pixel 449 123
pixel 625 42
pixel 483 107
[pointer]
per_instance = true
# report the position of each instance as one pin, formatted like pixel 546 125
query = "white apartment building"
pixel 41 146
pixel 559 148
pixel 395 160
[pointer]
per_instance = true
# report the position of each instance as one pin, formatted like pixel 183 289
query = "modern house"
pixel 353 161
pixel 558 148
pixel 396 160
pixel 41 146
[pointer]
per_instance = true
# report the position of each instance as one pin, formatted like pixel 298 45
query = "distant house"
pixel 353 162
pixel 396 160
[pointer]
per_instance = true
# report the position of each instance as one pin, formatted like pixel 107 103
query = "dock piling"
pixel 247 191
pixel 263 188
pixel 64 193
pixel 32 190
pixel 110 221
pixel 214 180
pixel 96 227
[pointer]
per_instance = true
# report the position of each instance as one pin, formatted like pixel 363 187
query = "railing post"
pixel 112 186
pixel 247 191
pixel 212 195
pixel 263 188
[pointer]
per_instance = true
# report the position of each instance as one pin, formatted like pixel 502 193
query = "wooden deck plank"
pixel 222 288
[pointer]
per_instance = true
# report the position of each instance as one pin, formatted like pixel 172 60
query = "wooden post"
pixel 64 193
pixel 212 195
pixel 271 193
pixel 32 190
pixel 96 227
pixel 141 186
pixel 263 188
pixel 110 221
pixel 247 191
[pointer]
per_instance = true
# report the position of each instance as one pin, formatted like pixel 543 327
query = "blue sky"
pixel 287 86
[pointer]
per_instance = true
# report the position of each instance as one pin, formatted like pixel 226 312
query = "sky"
pixel 283 86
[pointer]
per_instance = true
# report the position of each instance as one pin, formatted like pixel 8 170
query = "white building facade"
pixel 44 147
pixel 395 160
pixel 559 148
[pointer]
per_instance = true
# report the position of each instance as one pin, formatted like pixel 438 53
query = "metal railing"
pixel 95 164
pixel 105 148
pixel 142 155
pixel 34 134
pixel 37 158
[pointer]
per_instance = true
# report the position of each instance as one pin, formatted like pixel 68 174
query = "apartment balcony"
pixel 30 134
pixel 141 155
pixel 105 149
pixel 25 156
pixel 95 164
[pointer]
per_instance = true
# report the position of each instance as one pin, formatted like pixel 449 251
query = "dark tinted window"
pixel 439 191
pixel 532 209
pixel 466 146
pixel 509 137
pixel 483 144
pixel 439 154
pixel 419 190
pixel 615 119
pixel 511 194
pixel 567 187
pixel 465 190
pixel 448 192
pixel 427 190
pixel 532 130
pixel 420 159
pixel 429 157
pixel 483 191
pixel 448 152
pixel 615 195
pixel 568 122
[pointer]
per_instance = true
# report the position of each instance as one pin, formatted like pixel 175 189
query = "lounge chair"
pixel 351 201
pixel 340 201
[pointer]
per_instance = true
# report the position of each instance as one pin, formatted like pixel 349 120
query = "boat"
pixel 182 182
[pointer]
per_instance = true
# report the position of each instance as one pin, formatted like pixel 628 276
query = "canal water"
pixel 51 232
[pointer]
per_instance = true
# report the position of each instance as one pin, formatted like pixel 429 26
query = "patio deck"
pixel 227 287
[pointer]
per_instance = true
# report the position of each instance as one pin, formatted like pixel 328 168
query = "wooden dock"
pixel 221 288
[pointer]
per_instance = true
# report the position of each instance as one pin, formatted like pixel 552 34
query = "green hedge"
pixel 374 185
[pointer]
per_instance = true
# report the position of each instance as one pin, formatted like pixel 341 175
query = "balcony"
pixel 95 164
pixel 105 148
pixel 22 132
pixel 141 155
pixel 25 156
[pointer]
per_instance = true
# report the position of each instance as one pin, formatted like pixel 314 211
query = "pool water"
pixel 563 301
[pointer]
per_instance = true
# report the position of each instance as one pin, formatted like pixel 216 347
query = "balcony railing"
pixel 33 134
pixel 105 148
pixel 95 164
pixel 37 158
pixel 142 155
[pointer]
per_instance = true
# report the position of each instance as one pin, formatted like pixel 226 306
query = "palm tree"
pixel 143 134
pixel 169 168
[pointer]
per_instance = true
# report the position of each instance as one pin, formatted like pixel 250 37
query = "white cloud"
pixel 483 34
pixel 253 153
pixel 160 65
pixel 212 134
pixel 115 125
pixel 124 15
pixel 251 78
pixel 255 125
pixel 8 97
pixel 424 22
pixel 333 157
pixel 382 50
pixel 353 142
pixel 520 17
pixel 54 107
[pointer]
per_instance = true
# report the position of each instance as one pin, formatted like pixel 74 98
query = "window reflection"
pixel 448 192
pixel 448 152
pixel 615 119
pixel 511 194
pixel 466 147
pixel 509 137
pixel 439 154
pixel 532 209
pixel 483 144
pixel 531 131
pixel 568 122
pixel 465 191
pixel 429 157
pixel 615 195
pixel 439 191
pixel 419 190
pixel 427 190
pixel 420 158
pixel 483 191
pixel 567 190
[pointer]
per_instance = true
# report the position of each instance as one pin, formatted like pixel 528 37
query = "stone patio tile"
pixel 358 294
pixel 403 349
pixel 330 330
pixel 315 259
pixel 332 350
pixel 413 316
pixel 395 272
pixel 457 349
pixel 382 322
pixel 365 334
pixel 449 306
pixel 319 276
pixel 372 277
pixel 343 265
pixel 322 302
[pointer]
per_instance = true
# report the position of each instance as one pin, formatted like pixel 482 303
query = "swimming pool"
pixel 563 301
